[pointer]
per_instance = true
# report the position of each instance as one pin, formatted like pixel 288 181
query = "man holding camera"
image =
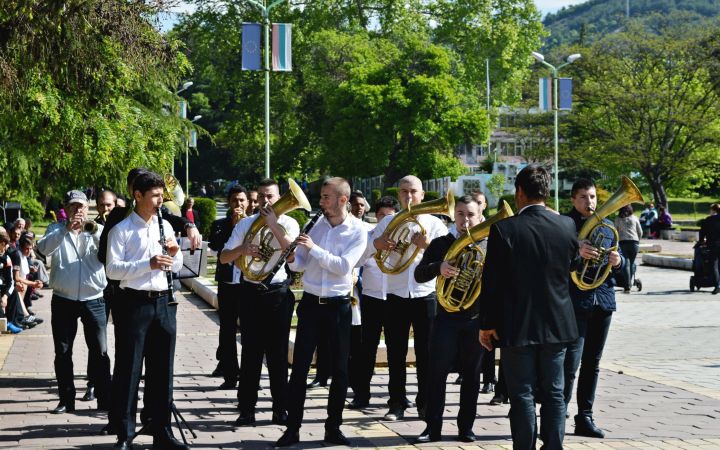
pixel 77 278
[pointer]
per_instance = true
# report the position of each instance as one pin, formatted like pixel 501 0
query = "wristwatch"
pixel 190 225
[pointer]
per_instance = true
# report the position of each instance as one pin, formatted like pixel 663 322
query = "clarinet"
pixel 288 250
pixel 171 300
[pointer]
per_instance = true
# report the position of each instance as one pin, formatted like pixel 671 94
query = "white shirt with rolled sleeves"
pixel 131 244
pixel 238 237
pixel 404 284
pixel 328 265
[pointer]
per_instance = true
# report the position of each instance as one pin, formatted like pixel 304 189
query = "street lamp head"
pixel 538 56
pixel 574 57
pixel 196 118
pixel 186 85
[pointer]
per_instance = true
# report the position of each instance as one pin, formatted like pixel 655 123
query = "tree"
pixel 648 103
pixel 84 84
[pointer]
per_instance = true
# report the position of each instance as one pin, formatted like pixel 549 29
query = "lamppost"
pixel 187 159
pixel 266 22
pixel 181 112
pixel 570 59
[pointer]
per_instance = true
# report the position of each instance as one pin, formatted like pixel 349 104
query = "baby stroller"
pixel 702 268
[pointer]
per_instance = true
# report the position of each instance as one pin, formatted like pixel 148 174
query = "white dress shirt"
pixel 374 281
pixel 404 284
pixel 336 250
pixel 131 244
pixel 238 237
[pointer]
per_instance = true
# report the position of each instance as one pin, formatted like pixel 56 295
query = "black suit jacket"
pixel 220 232
pixel 525 294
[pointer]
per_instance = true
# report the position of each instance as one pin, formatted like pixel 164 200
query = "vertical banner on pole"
pixel 281 47
pixel 182 109
pixel 251 46
pixel 546 94
pixel 192 142
pixel 565 93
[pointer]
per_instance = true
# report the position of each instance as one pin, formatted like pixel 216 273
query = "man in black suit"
pixel 525 307
pixel 228 278
pixel 710 235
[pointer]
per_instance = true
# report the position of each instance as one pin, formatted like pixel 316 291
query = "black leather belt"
pixel 258 287
pixel 337 300
pixel 146 294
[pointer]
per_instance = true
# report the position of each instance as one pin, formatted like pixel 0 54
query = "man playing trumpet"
pixel 452 333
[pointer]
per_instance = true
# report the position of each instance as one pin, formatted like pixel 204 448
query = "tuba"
pixel 173 196
pixel 603 237
pixel 401 229
pixel 460 292
pixel 257 268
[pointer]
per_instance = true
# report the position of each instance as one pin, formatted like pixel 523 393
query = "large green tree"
pixel 649 102
pixel 86 94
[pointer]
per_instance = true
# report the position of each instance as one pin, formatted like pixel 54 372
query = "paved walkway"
pixel 659 387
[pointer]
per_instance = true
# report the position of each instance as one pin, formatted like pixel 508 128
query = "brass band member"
pixel 408 303
pixel 453 334
pixel 327 255
pixel 265 314
pixel 593 311
pixel 228 279
pixel 145 323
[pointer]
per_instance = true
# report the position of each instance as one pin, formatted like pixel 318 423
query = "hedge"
pixel 207 212
pixel 300 217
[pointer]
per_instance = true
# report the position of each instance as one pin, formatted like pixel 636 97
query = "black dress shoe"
pixel 715 291
pixel 395 413
pixel 467 436
pixel 280 418
pixel 89 394
pixel 585 426
pixel 122 445
pixel 336 437
pixel 316 383
pixel 164 440
pixel 245 419
pixel 227 385
pixel 407 403
pixel 427 436
pixel 458 380
pixel 498 399
pixel 63 408
pixel 288 438
pixel 487 388
pixel 357 404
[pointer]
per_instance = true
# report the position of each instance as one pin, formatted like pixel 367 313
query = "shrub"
pixel 431 195
pixel 392 192
pixel 31 208
pixel 510 200
pixel 376 194
pixel 207 211
pixel 300 217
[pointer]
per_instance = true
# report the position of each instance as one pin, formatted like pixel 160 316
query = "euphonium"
pixel 257 269
pixel 460 292
pixel 173 196
pixel 401 229
pixel 603 237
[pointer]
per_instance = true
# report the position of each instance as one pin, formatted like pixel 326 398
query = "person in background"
pixel 629 233
pixel 710 236
pixel 188 212
pixel 253 202
pixel 106 201
pixel 647 217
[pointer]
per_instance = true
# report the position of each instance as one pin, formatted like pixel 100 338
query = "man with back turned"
pixel 526 308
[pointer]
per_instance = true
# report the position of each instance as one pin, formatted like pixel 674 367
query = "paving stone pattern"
pixel 664 340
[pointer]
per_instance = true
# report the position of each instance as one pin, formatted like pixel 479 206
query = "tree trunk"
pixel 393 172
pixel 659 194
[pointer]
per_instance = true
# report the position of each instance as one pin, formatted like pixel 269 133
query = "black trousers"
pixel 630 250
pixel 145 328
pixel 265 328
pixel 488 367
pixel 13 311
pixel 317 322
pixel 92 371
pixel 450 337
pixel 229 298
pixel 401 313
pixel 65 314
pixel 372 312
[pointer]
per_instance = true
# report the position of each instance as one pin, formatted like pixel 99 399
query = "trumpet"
pixel 239 217
pixel 90 226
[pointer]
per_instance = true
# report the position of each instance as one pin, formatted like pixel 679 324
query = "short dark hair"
pixel 133 174
pixel 534 181
pixel 236 189
pixel 25 240
pixel 467 199
pixel 356 194
pixel 625 211
pixel 4 236
pixel 476 193
pixel 265 182
pixel 582 183
pixel 387 202
pixel 715 207
pixel 146 181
